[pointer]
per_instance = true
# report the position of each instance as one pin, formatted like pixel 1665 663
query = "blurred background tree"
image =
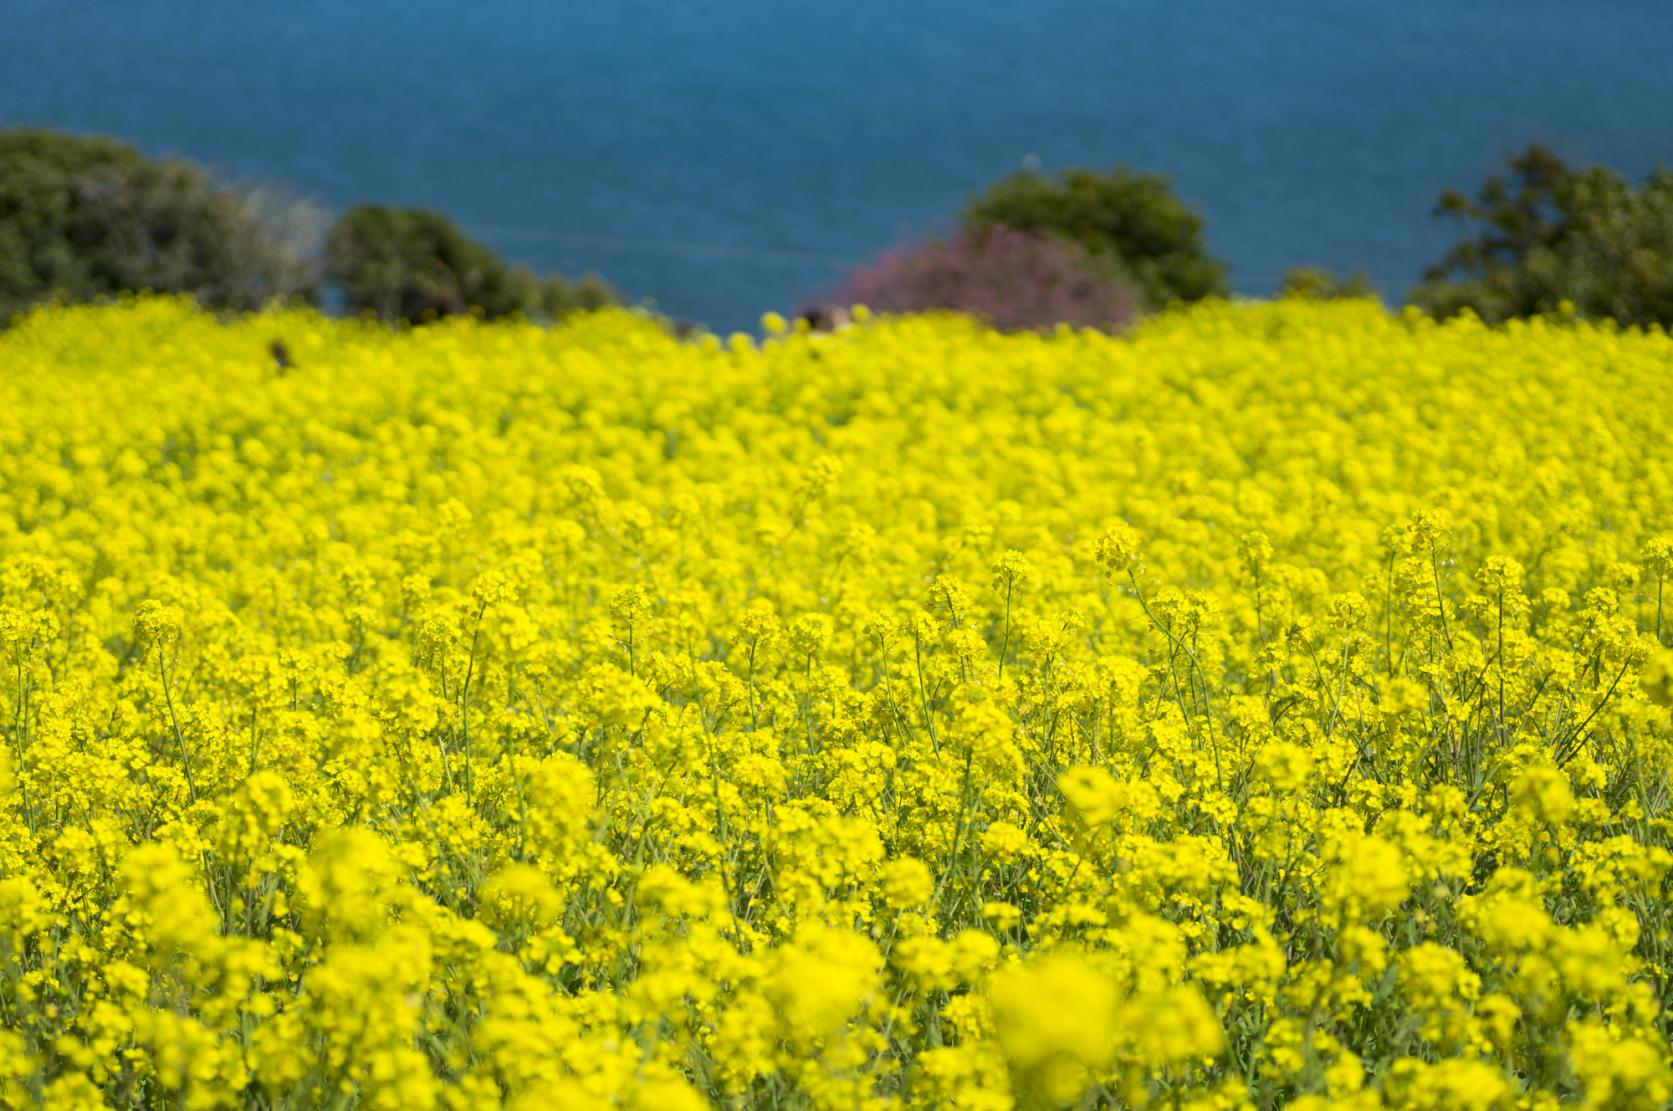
pixel 411 264
pixel 84 218
pixel 1015 280
pixel 1549 233
pixel 1130 225
pixel 1315 283
pixel 560 296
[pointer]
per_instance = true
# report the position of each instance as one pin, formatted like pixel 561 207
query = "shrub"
pixel 1130 224
pixel 1015 280
pixel 559 296
pixel 410 264
pixel 82 218
pixel 1315 283
pixel 1549 233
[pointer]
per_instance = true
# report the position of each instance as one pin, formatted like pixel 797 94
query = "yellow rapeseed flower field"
pixel 1270 707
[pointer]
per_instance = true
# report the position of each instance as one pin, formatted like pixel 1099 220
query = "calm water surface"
pixel 729 157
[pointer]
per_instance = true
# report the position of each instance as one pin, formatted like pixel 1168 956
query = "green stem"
pixel 1005 643
pixel 179 737
pixel 923 695
pixel 1440 599
pixel 464 702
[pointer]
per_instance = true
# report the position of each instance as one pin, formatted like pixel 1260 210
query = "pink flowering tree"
pixel 1015 280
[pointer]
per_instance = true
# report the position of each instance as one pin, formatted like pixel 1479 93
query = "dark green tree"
pixel 82 218
pixel 1131 226
pixel 410 264
pixel 559 296
pixel 1547 233
pixel 1315 283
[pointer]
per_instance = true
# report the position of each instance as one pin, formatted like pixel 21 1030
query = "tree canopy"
pixel 1130 224
pixel 88 217
pixel 412 263
pixel 1546 233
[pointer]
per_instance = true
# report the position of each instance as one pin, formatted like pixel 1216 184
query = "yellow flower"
pixel 1056 1021
pixel 1284 766
pixel 1368 876
pixel 907 883
pixel 1543 792
pixel 820 981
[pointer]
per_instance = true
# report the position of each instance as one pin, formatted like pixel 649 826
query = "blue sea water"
pixel 729 157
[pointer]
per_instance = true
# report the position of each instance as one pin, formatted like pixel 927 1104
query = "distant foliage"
pixel 1015 280
pixel 290 225
pixel 1549 233
pixel 1315 283
pixel 83 218
pixel 410 264
pixel 560 296
pixel 1130 224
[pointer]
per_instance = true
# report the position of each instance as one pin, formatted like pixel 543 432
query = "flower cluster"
pixel 1269 706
